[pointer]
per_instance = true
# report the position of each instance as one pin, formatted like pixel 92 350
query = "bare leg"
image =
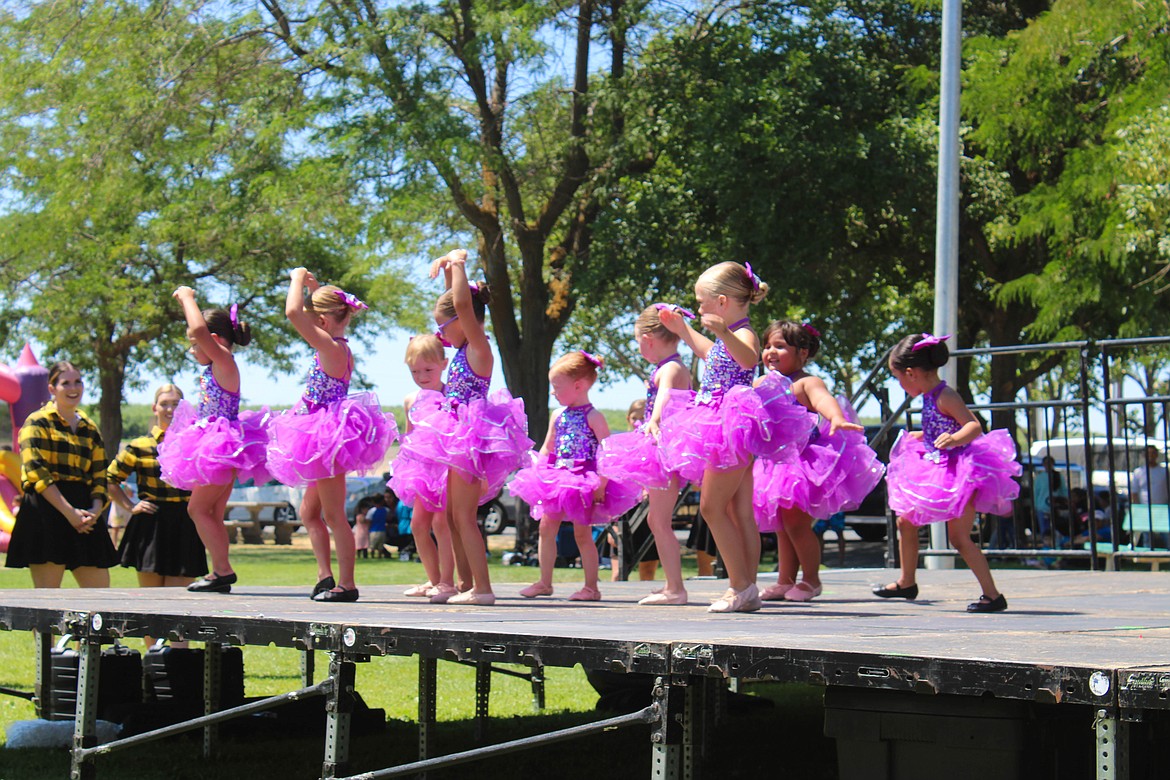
pixel 959 533
pixel 314 522
pixel 47 575
pixel 742 515
pixel 462 503
pixel 148 579
pixel 206 509
pixel 798 530
pixel 719 488
pixel 588 550
pixel 331 492
pixel 91 577
pixel 546 548
pixel 786 553
pixel 421 523
pixel 648 570
pixel 669 554
pixel 171 581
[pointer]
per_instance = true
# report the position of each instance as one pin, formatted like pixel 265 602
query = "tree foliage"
pixel 145 145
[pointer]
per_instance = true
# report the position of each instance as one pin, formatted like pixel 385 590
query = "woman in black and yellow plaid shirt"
pixel 62 523
pixel 160 540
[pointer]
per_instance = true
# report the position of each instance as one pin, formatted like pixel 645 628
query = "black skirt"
pixel 165 543
pixel 43 535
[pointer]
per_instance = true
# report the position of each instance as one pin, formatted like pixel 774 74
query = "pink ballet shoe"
pixel 802 591
pixel 441 594
pixel 536 589
pixel 471 598
pixel 746 600
pixel 586 594
pixel 420 591
pixel 776 592
pixel 661 598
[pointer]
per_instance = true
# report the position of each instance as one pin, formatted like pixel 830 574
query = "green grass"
pixel 390 683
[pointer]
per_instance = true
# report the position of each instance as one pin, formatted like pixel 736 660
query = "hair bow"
pixel 234 316
pixel 929 340
pixel 352 301
pixel 674 307
pixel 591 358
pixel 755 280
pixel 474 288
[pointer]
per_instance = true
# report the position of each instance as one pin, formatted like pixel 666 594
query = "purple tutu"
pixel 416 481
pixel 726 432
pixel 923 490
pixel 348 435
pixel 214 451
pixel 558 491
pixel 633 457
pixel 832 474
pixel 484 439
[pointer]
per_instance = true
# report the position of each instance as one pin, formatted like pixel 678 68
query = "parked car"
pixel 499 513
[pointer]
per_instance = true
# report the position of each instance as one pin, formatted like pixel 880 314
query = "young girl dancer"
pixel 208 448
pixel 946 472
pixel 479 440
pixel 329 432
pixel 712 437
pixel 636 456
pixel 563 485
pixel 835 471
pixel 422 483
pixel 160 541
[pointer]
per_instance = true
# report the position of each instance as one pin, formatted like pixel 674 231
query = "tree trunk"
pixel 111 377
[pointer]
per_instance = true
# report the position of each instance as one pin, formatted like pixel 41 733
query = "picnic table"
pixel 251 530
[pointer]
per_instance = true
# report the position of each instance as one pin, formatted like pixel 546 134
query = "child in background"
pixel 638 457
pixel 329 433
pixel 563 484
pixel 421 483
pixel 207 449
pixel 361 528
pixel 834 472
pixel 946 472
pixel 479 440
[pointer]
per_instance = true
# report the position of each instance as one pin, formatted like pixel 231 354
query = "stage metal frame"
pixel 692 673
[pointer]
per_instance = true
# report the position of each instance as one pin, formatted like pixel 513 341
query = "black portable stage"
pixel 1098 640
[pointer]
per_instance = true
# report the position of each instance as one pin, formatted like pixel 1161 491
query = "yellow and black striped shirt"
pixel 140 457
pixel 51 451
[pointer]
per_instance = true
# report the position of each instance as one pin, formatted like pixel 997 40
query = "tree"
pixel 146 145
pixel 471 122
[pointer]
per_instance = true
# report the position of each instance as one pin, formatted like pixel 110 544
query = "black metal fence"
pixel 1093 449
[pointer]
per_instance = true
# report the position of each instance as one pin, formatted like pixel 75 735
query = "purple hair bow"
pixel 811 330
pixel 690 315
pixel 591 358
pixel 352 301
pixel 755 280
pixel 234 316
pixel 929 340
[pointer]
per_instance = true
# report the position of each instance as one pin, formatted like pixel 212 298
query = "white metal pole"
pixel 946 254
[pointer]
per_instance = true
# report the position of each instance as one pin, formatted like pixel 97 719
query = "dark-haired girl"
pixel 61 523
pixel 946 472
pixel 208 448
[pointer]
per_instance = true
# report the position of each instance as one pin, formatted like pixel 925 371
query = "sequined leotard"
pixel 722 372
pixel 463 384
pixel 574 442
pixel 652 386
pixel 935 424
pixel 214 401
pixel 321 389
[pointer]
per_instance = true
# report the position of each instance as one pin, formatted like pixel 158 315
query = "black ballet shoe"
pixel 984 604
pixel 897 592
pixel 220 583
pixel 323 585
pixel 337 595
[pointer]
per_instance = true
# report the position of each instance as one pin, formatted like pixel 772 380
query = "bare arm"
pixel 334 355
pixel 812 393
pixel 223 364
pixel 672 376
pixel 681 327
pixel 550 437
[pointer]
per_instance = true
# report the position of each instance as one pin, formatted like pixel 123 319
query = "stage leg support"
pixel 483 694
pixel 428 680
pixel 44 660
pixel 338 715
pixel 212 683
pixel 1112 748
pixel 85 726
pixel 671 742
pixel 537 678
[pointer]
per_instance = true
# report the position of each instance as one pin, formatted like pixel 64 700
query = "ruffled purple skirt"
pixel 214 451
pixel 633 458
pixel 486 439
pixel 832 474
pixel 726 432
pixel 924 491
pixel 418 482
pixel 352 434
pixel 567 493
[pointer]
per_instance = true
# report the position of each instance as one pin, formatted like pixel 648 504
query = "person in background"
pixel 1150 484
